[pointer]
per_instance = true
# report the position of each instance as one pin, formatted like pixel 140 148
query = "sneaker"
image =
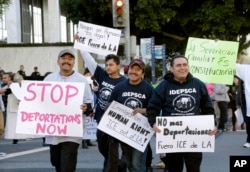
pixel 2 154
pixel 246 145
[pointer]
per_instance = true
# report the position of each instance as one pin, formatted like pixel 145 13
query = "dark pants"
pixel 113 155
pixel 247 121
pixel 103 146
pixel 64 156
pixel 175 161
pixel 223 106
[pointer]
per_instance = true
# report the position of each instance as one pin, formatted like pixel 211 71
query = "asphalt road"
pixel 30 155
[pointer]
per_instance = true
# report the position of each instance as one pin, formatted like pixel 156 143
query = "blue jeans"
pixel 136 160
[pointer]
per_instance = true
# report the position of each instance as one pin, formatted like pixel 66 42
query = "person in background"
pixel 22 72
pixel 163 101
pixel 94 88
pixel 64 149
pixel 220 95
pixel 35 75
pixel 243 72
pixel 233 89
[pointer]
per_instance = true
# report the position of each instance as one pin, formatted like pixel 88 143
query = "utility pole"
pixel 127 33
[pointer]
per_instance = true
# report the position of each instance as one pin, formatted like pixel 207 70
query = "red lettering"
pixel 24 116
pixel 29 90
pixel 68 95
pixel 50 129
pixel 43 85
pixel 60 93
pixel 40 128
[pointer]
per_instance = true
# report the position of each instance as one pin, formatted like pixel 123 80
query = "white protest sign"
pixel 51 108
pixel 185 134
pixel 97 39
pixel 119 122
pixel 90 128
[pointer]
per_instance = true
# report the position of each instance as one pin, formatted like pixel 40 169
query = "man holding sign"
pixel 180 94
pixel 63 149
pixel 134 93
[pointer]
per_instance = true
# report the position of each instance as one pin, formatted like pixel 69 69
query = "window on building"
pixel 3 30
pixel 32 27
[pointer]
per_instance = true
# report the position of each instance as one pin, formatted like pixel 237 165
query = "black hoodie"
pixel 173 98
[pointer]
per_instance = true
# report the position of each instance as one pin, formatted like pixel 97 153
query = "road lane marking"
pixel 11 155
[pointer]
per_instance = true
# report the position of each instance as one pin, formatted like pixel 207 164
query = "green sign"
pixel 212 61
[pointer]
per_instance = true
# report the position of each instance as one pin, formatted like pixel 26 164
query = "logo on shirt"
pixel 184 103
pixel 104 96
pixel 133 103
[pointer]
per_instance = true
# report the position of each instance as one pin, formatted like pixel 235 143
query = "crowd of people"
pixel 107 85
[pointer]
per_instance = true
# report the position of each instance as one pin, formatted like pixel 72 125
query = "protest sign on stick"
pixel 51 108
pixel 185 134
pixel 119 122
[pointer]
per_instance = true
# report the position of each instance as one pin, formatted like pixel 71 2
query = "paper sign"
pixel 212 61
pixel 239 116
pixel 51 108
pixel 119 122
pixel 97 39
pixel 185 134
pixel 90 128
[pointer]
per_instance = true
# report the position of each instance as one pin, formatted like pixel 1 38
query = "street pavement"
pixel 31 156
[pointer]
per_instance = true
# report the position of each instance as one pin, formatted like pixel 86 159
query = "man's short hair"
pixel 114 57
pixel 175 57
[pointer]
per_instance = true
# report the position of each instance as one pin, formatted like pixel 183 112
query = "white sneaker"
pixel 246 145
pixel 2 154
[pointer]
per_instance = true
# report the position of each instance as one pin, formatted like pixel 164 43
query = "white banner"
pixel 90 128
pixel 97 39
pixel 51 108
pixel 185 134
pixel 119 122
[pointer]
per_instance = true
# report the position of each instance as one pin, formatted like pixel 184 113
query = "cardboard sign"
pixel 51 108
pixel 97 39
pixel 90 128
pixel 119 122
pixel 185 134
pixel 212 61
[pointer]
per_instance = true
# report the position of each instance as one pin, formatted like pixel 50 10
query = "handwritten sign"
pixel 119 122
pixel 90 128
pixel 185 134
pixel 97 39
pixel 51 108
pixel 212 61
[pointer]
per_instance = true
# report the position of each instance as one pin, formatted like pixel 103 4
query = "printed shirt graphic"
pixel 132 96
pixel 184 103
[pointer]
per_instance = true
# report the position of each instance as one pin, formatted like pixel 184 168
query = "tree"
pixel 3 3
pixel 172 21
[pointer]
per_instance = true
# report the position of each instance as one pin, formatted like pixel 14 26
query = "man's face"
pixel 6 78
pixel 135 74
pixel 111 67
pixel 180 69
pixel 66 63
